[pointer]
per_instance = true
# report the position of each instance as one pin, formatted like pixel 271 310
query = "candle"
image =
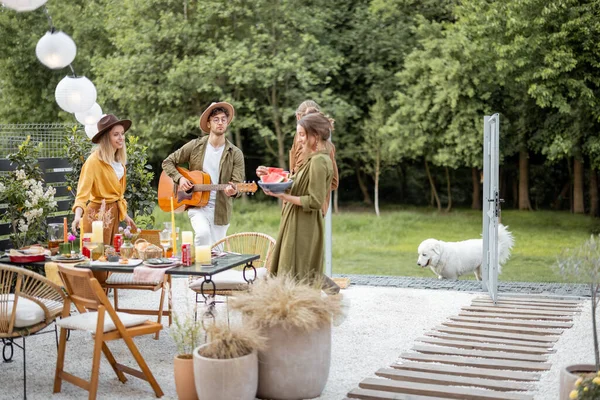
pixel 81 237
pixel 97 232
pixel 173 231
pixel 65 230
pixel 203 255
pixel 187 237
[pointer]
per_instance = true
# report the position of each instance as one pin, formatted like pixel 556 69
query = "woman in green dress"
pixel 300 243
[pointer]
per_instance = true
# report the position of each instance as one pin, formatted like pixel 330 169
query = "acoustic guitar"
pixel 197 196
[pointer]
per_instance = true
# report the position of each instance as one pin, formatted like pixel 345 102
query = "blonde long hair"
pixel 106 153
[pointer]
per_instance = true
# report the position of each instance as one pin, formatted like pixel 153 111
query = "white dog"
pixel 449 260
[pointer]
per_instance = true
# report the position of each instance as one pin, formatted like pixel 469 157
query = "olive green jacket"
pixel 231 169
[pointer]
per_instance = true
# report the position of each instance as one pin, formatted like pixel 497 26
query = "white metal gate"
pixel 491 204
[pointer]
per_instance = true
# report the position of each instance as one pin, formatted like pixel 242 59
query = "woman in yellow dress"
pixel 103 177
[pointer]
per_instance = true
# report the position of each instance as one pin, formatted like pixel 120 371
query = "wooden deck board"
pixel 573 303
pixel 478 362
pixel 511 322
pixel 496 334
pixel 474 372
pixel 518 311
pixel 513 316
pixel 464 344
pixel 504 328
pixel 451 380
pixel 568 311
pixel 439 390
pixel 484 339
pixel 499 355
pixel 368 394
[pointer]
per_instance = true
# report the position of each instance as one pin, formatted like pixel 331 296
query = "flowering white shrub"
pixel 29 200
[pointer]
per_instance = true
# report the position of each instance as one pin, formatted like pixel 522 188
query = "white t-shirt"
pixel 119 170
pixel 212 162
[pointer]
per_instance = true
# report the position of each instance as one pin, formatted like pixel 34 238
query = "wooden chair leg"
pixel 169 297
pixel 98 343
pixel 60 360
pixel 160 310
pixel 116 299
pixel 143 366
pixel 111 359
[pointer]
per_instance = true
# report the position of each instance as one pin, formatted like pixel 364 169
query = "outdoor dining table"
pixel 219 264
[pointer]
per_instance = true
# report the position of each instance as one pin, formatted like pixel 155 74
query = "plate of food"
pixel 276 181
pixel 68 259
pixel 27 255
pixel 160 262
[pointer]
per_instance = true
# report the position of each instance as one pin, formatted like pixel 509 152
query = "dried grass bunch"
pixel 282 301
pixel 231 342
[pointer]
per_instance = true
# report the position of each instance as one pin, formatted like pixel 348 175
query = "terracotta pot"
pixel 184 377
pixel 295 364
pixel 232 379
pixel 568 376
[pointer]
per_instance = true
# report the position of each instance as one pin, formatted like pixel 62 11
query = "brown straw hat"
pixel 106 123
pixel 206 113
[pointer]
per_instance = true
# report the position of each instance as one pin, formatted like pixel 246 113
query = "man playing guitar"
pixel 218 157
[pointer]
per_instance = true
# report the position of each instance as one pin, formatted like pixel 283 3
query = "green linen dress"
pixel 299 249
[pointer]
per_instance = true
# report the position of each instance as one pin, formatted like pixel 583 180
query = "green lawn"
pixel 365 244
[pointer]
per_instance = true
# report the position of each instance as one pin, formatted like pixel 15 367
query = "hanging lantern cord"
pixel 49 19
pixel 73 71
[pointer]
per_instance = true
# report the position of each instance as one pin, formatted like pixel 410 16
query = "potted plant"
pixel 226 367
pixel 187 334
pixel 296 320
pixel 582 265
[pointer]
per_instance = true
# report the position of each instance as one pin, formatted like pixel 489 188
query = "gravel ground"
pixel 381 324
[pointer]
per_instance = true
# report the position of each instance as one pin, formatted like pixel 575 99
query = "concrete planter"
pixel 184 377
pixel 232 379
pixel 295 364
pixel 568 376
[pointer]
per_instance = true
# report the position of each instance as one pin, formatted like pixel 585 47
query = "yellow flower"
pixel 598 373
pixel 69 188
pixel 585 389
pixel 578 382
pixel 596 380
pixel 573 394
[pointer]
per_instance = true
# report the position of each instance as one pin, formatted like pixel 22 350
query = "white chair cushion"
pixel 87 321
pixel 28 312
pixel 231 279
pixel 125 278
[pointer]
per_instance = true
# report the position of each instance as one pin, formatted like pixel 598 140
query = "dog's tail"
pixel 505 244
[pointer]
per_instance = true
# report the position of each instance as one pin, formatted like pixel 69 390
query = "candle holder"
pixel 64 249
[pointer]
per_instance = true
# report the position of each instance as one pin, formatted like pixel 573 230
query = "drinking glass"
pixel 55 236
pixel 165 240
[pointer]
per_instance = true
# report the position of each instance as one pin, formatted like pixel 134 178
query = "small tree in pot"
pixel 296 320
pixel 187 334
pixel 582 265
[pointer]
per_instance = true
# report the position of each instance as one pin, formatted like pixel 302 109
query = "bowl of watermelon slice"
pixel 276 181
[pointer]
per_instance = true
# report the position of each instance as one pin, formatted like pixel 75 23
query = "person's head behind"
pixel 301 111
pixel 218 120
pixel 314 127
pixel 112 147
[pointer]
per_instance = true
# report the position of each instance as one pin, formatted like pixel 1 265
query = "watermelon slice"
pixel 273 178
pixel 274 169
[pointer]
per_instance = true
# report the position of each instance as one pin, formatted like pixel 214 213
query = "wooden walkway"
pixel 486 352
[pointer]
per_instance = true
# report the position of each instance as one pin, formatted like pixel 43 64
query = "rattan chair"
pixel 98 316
pixel 227 283
pixel 28 304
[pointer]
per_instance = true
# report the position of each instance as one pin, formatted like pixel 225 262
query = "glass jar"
pixel 126 249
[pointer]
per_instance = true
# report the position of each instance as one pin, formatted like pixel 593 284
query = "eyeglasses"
pixel 216 120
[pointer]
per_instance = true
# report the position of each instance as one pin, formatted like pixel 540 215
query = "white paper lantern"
pixel 91 130
pixel 75 94
pixel 24 5
pixel 91 116
pixel 56 50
